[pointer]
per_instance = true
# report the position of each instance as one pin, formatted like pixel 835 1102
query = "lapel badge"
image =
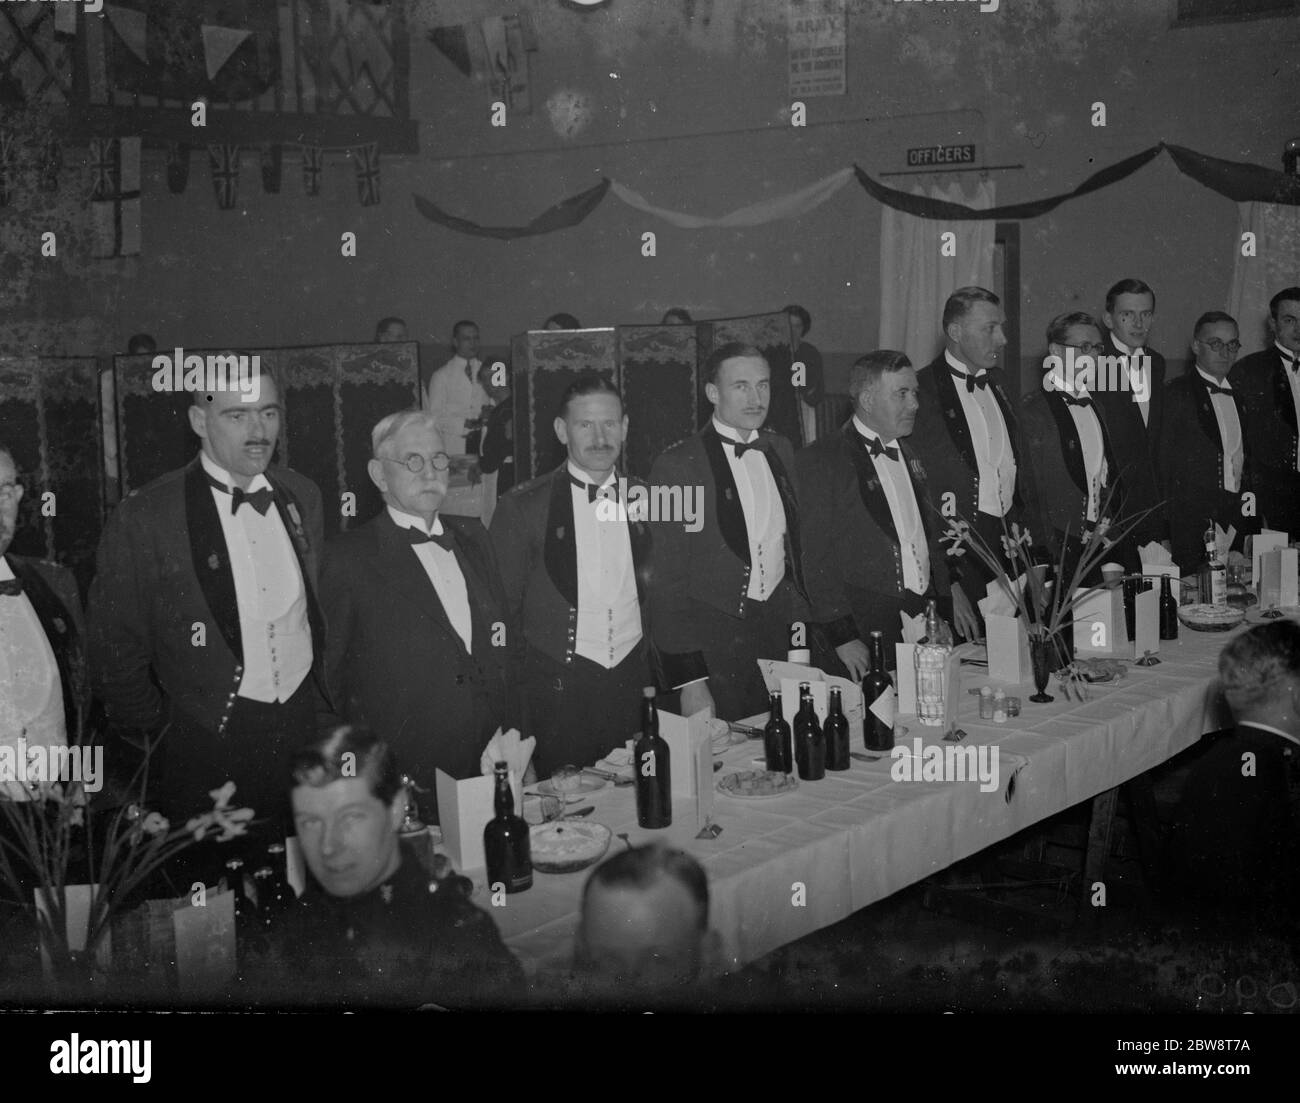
pixel 559 532
pixel 213 562
pixel 727 492
pixel 60 626
pixel 952 413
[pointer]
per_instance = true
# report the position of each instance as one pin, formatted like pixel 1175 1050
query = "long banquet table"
pixel 858 836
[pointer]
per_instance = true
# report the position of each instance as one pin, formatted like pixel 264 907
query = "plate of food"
pixel 1210 618
pixel 1099 671
pixel 757 784
pixel 570 783
pixel 567 846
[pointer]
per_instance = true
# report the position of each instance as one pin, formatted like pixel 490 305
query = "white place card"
pixel 464 808
pixel 682 734
pixel 1263 542
pixel 1146 623
pixel 1008 650
pixel 905 677
pixel 1099 627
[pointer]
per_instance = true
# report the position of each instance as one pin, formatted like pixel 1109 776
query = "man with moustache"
pixel 966 436
pixel 725 595
pixel 419 646
pixel 575 569
pixel 867 534
pixel 204 627
pixel 1269 383
pixel 1205 455
pixel 43 687
pixel 1072 477
pixel 1132 404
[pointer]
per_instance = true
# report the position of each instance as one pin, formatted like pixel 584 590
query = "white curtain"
pixel 1275 265
pixel 916 279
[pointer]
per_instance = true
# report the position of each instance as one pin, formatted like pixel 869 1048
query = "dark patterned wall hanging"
pixel 333 395
pixel 49 419
pixel 659 381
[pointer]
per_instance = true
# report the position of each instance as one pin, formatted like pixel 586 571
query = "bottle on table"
pixel 652 769
pixel 836 731
pixel 248 930
pixel 1213 573
pixel 506 846
pixel 1168 611
pixel 777 748
pixel 932 668
pixel 271 901
pixel 809 742
pixel 876 734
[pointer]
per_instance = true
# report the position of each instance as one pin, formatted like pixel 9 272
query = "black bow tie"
pixel 1214 389
pixel 755 445
pixel 1293 362
pixel 972 381
pixel 443 539
pixel 11 587
pixel 874 447
pixel 260 500
pixel 593 491
pixel 1070 400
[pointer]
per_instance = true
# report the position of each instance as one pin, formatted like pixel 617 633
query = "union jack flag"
pixel 115 196
pixel 313 163
pixel 367 158
pixel 104 154
pixel 8 143
pixel 224 162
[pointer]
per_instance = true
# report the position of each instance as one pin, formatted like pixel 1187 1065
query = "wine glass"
pixel 566 781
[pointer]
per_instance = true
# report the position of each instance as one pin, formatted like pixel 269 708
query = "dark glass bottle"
pixel 809 742
pixel 268 900
pixel 248 931
pixel 876 734
pixel 836 730
pixel 1168 611
pixel 777 748
pixel 652 769
pixel 506 847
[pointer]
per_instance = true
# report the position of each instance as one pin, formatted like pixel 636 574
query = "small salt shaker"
pixel 986 702
pixel 1000 707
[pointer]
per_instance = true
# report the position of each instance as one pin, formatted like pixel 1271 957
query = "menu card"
pixel 464 808
pixel 1261 544
pixel 690 759
pixel 1099 627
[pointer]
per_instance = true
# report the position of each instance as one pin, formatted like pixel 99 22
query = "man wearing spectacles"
pixel 1133 403
pixel 1072 477
pixel 1269 384
pixel 419 646
pixel 41 642
pixel 1205 457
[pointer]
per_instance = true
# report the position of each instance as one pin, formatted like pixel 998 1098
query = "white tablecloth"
pixel 859 836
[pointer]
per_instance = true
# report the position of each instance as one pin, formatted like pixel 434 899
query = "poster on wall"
pixel 817 51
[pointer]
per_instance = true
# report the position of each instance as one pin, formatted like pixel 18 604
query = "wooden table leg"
pixel 1099 832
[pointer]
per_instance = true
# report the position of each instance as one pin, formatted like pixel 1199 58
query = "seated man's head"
pixel 348 803
pixel 561 321
pixel 1260 675
pixel 390 329
pixel 645 920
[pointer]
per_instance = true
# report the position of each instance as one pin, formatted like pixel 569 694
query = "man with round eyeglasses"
pixel 1205 457
pixel 419 646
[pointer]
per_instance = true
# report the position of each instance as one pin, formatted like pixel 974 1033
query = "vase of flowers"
pixel 51 830
pixel 1033 578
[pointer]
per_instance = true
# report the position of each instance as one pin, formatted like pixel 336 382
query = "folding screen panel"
pixel 659 381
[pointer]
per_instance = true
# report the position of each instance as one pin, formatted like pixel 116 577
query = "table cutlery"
pixel 865 757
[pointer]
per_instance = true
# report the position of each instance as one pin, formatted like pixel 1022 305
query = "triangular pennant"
pixel 218 44
pixel 453 43
pixel 130 26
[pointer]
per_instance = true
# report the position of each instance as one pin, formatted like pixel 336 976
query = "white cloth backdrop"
pixel 915 279
pixel 1275 265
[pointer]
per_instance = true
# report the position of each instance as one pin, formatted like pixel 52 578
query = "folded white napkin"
pixel 618 761
pixel 913 627
pixel 507 747
pixel 1154 554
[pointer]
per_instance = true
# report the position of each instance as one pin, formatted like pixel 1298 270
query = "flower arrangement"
pixel 1045 608
pixel 41 835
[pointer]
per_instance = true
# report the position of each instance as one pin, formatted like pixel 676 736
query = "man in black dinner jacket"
pixel 966 435
pixel 203 621
pixel 575 566
pixel 1269 383
pixel 725 588
pixel 420 644
pixel 868 536
pixel 1205 451
pixel 1132 403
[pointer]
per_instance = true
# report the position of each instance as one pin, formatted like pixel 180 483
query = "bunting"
pixel 8 145
pixel 313 164
pixel 50 163
pixel 115 196
pixel 131 27
pixel 271 159
pixel 367 159
pixel 224 162
pixel 219 43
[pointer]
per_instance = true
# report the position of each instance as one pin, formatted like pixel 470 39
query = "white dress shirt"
pixel 269 591
pixel 994 458
pixel 1088 427
pixel 444 574
pixel 764 514
pixel 31 694
pixel 609 612
pixel 1225 413
pixel 455 395
pixel 1293 380
pixel 1139 381
pixel 897 484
